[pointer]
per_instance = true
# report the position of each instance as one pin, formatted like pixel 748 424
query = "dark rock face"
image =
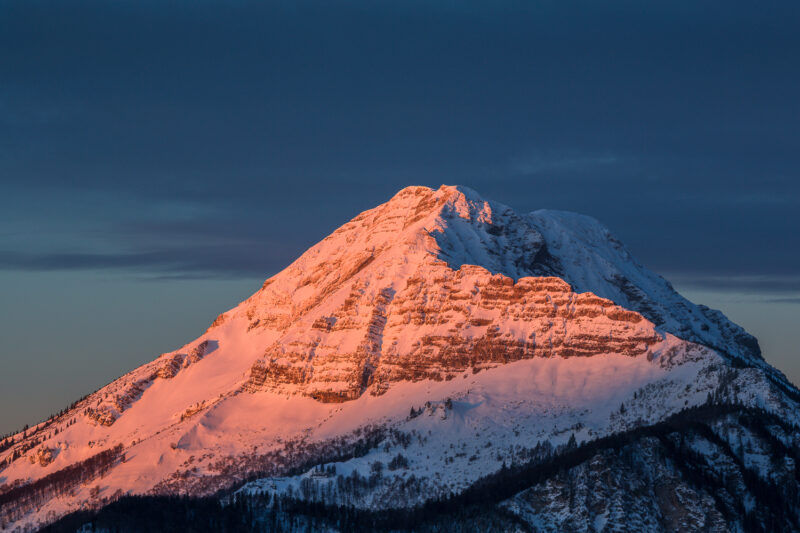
pixel 638 487
pixel 730 473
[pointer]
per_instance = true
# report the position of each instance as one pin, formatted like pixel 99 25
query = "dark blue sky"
pixel 159 159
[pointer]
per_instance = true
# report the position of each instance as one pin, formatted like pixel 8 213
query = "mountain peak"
pixel 416 203
pixel 421 228
pixel 437 295
pixel 444 191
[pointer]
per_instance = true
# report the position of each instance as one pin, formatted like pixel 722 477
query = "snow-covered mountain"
pixel 429 347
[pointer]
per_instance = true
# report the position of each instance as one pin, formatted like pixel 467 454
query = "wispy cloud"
pixel 187 262
pixel 539 164
pixel 791 300
pixel 774 288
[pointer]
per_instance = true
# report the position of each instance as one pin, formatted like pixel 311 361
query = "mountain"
pixel 437 362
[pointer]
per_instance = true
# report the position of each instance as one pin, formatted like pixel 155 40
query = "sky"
pixel 159 160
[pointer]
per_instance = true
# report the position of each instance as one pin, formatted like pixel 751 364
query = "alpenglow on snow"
pixel 441 346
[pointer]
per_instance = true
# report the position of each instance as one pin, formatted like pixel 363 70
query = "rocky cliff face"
pixel 468 319
pixel 430 340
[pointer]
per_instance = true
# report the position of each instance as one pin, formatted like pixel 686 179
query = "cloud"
pixel 583 164
pixel 795 300
pixel 187 262
pixel 753 284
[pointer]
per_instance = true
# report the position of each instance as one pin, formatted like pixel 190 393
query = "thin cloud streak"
pixel 565 163
pixel 754 284
pixel 196 262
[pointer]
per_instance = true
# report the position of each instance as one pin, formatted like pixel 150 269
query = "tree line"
pixel 776 504
pixel 16 502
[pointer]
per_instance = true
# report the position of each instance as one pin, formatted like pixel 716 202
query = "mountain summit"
pixel 443 337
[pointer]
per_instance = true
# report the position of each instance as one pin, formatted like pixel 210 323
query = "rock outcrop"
pixel 467 320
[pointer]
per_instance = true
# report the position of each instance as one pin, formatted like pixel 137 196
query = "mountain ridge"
pixel 502 329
